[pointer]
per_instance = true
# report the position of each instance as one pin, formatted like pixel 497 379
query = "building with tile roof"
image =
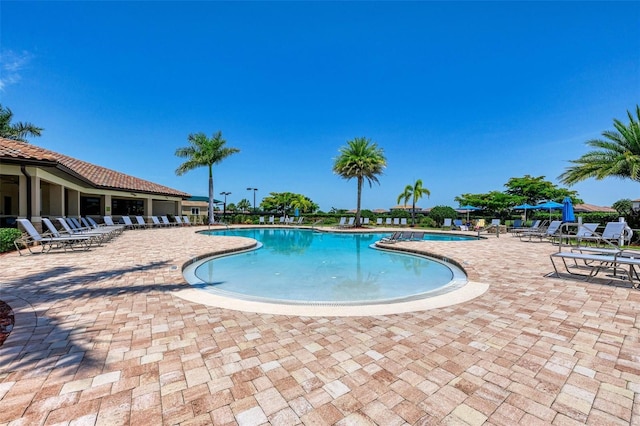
pixel 36 182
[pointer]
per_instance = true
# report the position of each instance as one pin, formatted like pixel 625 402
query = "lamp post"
pixel 224 206
pixel 254 198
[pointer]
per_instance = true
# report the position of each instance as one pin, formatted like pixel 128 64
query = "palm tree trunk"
pixel 357 224
pixel 210 209
pixel 413 213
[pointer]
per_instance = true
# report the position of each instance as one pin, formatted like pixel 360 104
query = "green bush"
pixel 7 237
pixel 427 222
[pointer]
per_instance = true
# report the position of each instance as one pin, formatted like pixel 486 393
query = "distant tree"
pixel 494 202
pixel 617 155
pixel 16 131
pixel 414 192
pixel 231 207
pixel 283 202
pixel 244 205
pixel 440 213
pixel 624 207
pixel 532 190
pixel 363 160
pixel 204 152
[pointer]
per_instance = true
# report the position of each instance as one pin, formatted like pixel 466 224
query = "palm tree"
pixel 617 155
pixel 360 159
pixel 416 192
pixel 17 131
pixel 202 152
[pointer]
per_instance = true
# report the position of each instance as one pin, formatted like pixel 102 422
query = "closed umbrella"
pixel 567 210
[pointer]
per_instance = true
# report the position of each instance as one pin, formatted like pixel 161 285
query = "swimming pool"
pixel 306 267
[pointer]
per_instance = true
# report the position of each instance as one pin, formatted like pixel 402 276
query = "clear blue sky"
pixel 461 95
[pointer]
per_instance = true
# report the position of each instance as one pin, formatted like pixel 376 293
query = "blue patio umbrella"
pixel 468 208
pixel 567 210
pixel 549 205
pixel 524 207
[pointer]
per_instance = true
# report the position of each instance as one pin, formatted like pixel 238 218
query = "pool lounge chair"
pixel 457 223
pixel 517 224
pixel 178 220
pixel 553 230
pixel 396 221
pixel 342 223
pixel 365 221
pixel 167 222
pixel 97 236
pixel 403 221
pixel 387 221
pixel 392 238
pixel 185 220
pixel 128 223
pixel 261 220
pixel 87 225
pixel 593 262
pixel 447 223
pixel 116 229
pixel 379 221
pixel 141 222
pixel 46 241
pixel 271 220
pixel 612 234
pixel 535 226
pixel 156 222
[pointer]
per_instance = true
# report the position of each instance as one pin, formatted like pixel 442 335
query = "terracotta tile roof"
pixel 586 208
pixel 96 176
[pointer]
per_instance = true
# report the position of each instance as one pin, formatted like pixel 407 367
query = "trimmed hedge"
pixel 7 237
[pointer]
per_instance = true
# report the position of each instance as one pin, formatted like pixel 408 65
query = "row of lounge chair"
pixel 71 235
pixel 350 222
pixel 404 236
pixel 284 220
pixel 138 222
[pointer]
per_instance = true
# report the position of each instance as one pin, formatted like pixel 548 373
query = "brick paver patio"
pixel 102 338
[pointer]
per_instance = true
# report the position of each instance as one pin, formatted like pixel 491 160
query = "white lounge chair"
pixel 261 220
pixel 271 220
pixel 128 223
pixel 351 222
pixel 186 221
pixel 387 221
pixel 48 241
pixel 379 221
pixel 116 229
pixel 396 221
pixel 166 221
pixel 551 231
pixel 70 228
pixel 141 222
pixel 342 223
pixel 403 221
pixel 447 223
pixel 156 222
pixel 178 220
pixel 613 234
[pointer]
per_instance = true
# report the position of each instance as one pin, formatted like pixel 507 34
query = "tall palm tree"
pixel 360 159
pixel 416 192
pixel 204 152
pixel 617 155
pixel 16 131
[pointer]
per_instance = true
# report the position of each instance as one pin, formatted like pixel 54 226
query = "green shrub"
pixel 427 222
pixel 7 237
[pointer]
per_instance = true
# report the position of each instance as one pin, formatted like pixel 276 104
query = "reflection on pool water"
pixel 302 266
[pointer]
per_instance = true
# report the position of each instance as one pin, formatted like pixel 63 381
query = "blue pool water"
pixel 302 266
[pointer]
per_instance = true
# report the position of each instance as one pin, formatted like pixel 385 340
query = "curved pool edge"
pixel 470 291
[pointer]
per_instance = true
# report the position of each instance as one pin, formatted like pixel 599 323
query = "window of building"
pixel 127 207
